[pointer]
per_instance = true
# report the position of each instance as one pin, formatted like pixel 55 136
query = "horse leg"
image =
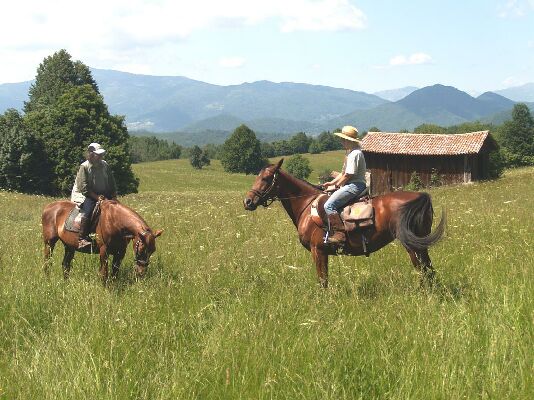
pixel 117 259
pixel 321 264
pixel 428 269
pixel 48 250
pixel 103 264
pixel 67 260
pixel 421 262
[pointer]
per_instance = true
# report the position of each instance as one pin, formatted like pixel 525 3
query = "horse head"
pixel 265 188
pixel 144 246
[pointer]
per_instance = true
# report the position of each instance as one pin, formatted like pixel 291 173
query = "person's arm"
pixel 81 181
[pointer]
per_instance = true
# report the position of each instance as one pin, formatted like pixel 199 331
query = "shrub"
pixel 415 183
pixel 298 166
pixel 435 178
pixel 241 152
pixel 198 158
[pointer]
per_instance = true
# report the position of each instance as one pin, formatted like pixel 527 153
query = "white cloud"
pixel 325 15
pixel 110 33
pixel 232 62
pixel 414 59
pixel 515 8
pixel 119 22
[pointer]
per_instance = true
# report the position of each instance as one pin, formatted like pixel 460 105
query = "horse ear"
pixel 279 164
pixel 158 233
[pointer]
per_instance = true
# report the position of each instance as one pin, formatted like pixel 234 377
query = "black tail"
pixel 415 222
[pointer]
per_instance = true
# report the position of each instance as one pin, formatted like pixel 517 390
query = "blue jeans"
pixel 341 197
pixel 87 207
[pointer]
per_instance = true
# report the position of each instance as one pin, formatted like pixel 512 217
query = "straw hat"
pixel 348 132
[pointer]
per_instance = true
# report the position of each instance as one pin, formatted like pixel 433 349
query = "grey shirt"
pixel 96 178
pixel 355 166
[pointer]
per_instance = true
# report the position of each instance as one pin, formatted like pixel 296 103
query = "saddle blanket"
pixel 72 223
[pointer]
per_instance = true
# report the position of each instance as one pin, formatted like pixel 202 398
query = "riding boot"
pixel 84 232
pixel 336 236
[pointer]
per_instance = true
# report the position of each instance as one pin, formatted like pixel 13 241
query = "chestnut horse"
pixel 406 216
pixel 116 226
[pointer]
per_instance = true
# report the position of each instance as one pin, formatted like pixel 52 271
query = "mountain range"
pixel 193 109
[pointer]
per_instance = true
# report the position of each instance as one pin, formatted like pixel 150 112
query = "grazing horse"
pixel 406 216
pixel 116 226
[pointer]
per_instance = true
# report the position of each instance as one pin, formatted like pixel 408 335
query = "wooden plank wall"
pixel 391 172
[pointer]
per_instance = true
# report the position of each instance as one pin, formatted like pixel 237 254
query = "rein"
pixel 266 201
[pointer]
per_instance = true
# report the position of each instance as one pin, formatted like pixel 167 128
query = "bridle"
pixel 264 198
pixel 138 260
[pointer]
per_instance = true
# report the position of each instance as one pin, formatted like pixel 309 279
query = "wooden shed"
pixel 393 157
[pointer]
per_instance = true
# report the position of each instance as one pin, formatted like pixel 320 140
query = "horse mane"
pixel 128 211
pixel 310 185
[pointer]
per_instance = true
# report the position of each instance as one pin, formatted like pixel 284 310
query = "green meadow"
pixel 231 307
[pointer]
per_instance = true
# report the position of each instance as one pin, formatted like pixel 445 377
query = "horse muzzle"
pixel 140 270
pixel 249 204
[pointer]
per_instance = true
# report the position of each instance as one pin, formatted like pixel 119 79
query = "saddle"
pixel 73 221
pixel 357 215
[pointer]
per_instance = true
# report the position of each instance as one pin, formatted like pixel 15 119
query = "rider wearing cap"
pixel 349 184
pixel 94 179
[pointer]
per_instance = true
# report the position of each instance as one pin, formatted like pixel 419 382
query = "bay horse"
pixel 406 216
pixel 117 225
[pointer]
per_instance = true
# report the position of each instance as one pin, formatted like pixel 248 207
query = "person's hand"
pixel 330 188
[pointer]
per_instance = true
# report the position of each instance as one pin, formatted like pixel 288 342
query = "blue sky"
pixel 367 45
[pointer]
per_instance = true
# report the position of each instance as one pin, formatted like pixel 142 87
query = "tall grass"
pixel 231 308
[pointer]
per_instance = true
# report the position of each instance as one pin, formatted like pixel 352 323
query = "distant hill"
pixel 438 104
pixel 163 103
pixel 523 93
pixel 13 95
pixel 170 103
pixel 225 122
pixel 396 94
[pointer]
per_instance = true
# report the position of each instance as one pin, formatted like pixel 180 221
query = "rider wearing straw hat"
pixel 94 179
pixel 349 184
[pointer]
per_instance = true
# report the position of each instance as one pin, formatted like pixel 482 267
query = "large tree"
pixel 241 152
pixel 299 143
pixel 55 76
pixel 517 137
pixel 66 112
pixel 78 118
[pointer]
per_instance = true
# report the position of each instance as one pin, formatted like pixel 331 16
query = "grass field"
pixel 229 310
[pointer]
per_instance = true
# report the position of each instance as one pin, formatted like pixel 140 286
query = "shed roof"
pixel 425 144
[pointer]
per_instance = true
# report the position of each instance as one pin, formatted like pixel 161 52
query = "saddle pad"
pixel 358 211
pixel 72 223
